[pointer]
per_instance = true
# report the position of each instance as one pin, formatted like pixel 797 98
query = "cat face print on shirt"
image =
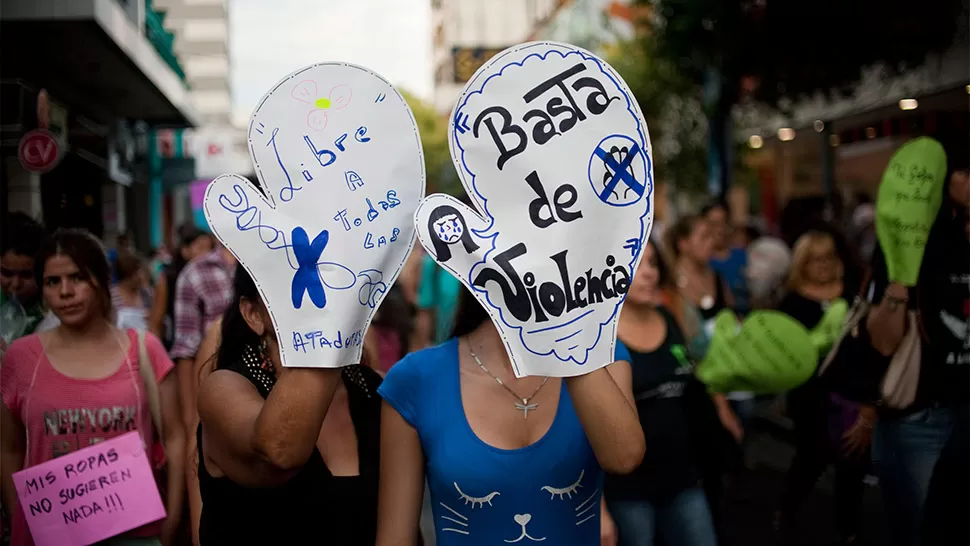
pixel 549 511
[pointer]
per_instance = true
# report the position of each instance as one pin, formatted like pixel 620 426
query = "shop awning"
pixel 93 55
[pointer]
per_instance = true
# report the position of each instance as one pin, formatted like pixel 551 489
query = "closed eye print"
pixel 566 492
pixel 480 501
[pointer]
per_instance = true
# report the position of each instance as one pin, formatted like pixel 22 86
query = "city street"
pixel 751 503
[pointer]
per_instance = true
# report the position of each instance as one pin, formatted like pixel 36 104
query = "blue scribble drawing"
pixel 260 128
pixel 307 277
pixel 614 157
pixel 249 217
pixel 286 193
pixel 380 97
pixel 331 273
pixel 492 233
pixel 371 288
pixel 359 135
pixel 301 255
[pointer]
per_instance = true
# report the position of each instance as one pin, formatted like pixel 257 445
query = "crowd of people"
pixel 249 452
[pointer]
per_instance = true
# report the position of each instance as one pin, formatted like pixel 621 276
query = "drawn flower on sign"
pixel 337 99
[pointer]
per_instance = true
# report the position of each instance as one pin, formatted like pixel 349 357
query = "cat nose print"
pixel 523 519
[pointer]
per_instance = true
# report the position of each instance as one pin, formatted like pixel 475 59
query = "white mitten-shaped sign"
pixel 341 170
pixel 554 152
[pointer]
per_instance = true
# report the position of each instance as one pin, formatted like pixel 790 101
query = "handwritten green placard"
pixel 909 198
pixel 828 330
pixel 770 353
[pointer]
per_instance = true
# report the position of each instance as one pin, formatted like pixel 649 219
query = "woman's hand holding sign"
pixel 339 159
pixel 555 153
pixel 909 199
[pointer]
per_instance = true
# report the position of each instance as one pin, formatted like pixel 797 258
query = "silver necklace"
pixel 524 405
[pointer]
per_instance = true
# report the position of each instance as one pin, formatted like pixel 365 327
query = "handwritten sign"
pixel 554 152
pixel 769 352
pixel 909 198
pixel 341 170
pixel 91 494
pixel 829 328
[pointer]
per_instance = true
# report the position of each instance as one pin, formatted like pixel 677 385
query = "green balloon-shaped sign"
pixel 828 330
pixel 909 199
pixel 769 353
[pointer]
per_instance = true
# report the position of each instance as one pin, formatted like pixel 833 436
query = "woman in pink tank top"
pixel 79 384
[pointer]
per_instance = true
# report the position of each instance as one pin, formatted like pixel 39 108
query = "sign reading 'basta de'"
pixel 554 152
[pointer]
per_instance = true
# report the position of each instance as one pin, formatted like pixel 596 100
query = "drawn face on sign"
pixel 554 151
pixel 339 158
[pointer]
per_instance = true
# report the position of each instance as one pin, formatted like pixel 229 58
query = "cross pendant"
pixel 525 406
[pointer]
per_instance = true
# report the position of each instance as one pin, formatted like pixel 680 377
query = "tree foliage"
pixel 671 106
pixel 433 128
pixel 796 47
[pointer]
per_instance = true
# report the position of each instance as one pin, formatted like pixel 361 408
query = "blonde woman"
pixel 828 428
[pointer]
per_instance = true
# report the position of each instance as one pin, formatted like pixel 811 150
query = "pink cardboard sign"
pixel 91 494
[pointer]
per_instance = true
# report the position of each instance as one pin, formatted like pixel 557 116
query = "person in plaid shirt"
pixel 203 291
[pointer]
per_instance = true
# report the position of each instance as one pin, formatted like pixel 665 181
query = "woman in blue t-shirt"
pixel 507 460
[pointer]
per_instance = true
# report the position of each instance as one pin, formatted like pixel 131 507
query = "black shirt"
pixel 660 380
pixel 313 507
pixel 809 399
pixel 807 311
pixel 942 296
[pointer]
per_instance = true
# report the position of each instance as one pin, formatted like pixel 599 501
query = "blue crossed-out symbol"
pixel 307 276
pixel 622 172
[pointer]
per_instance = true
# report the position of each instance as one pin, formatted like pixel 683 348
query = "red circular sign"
pixel 39 151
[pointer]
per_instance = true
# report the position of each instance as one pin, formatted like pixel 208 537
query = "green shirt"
pixel 438 291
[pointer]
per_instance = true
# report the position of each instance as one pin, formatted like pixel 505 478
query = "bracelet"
pixel 894 301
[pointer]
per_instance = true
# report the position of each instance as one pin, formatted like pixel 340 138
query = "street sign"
pixel 39 151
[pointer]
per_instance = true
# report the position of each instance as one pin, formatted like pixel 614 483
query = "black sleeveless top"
pixel 312 507
pixel 660 386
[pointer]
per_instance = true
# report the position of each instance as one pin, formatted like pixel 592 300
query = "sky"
pixel 269 40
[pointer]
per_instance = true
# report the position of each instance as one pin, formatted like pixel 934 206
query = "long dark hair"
pixel 397 314
pixel 187 234
pixel 681 230
pixel 470 314
pixel 236 335
pixel 664 279
pixel 441 249
pixel 88 254
pixel 127 265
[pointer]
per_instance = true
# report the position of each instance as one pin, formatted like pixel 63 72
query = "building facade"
pixel 466 33
pixel 201 29
pixel 827 148
pixel 92 77
pixel 189 160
